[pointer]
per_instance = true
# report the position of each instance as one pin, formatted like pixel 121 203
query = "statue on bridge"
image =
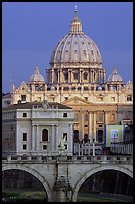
pixel 61 147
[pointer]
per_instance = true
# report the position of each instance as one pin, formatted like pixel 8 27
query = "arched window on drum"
pixel 85 76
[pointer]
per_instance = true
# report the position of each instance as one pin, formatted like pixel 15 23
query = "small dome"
pixel 36 77
pixel 115 77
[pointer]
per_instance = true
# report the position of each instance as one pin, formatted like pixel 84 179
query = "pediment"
pixel 76 101
pixel 23 88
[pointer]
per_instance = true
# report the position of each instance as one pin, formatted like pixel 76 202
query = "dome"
pixel 115 77
pixel 36 77
pixel 76 47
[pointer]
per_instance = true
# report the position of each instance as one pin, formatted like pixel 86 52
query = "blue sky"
pixel 30 31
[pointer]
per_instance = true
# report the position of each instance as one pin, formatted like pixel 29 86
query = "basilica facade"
pixel 76 78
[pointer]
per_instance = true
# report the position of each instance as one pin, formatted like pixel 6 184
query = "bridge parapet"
pixel 115 159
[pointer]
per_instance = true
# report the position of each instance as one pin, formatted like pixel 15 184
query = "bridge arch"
pixel 34 173
pixel 95 170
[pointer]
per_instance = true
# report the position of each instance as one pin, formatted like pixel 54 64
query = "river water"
pixel 103 197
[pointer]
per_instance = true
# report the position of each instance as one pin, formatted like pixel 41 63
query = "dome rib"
pixel 79 48
pixel 57 48
pixel 63 49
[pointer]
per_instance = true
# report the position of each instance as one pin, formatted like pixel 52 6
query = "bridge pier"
pixel 62 190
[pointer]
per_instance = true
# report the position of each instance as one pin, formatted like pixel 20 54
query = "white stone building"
pixel 37 129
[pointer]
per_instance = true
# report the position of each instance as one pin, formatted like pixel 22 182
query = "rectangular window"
pixel 65 136
pixel 44 147
pixel 86 88
pixel 24 114
pixel 65 146
pixel 79 88
pixel 112 99
pixel 129 98
pixel 86 98
pixel 64 115
pixel 66 76
pixel 66 88
pixel 24 146
pixel 39 98
pixel 73 88
pixel 23 97
pixel 24 136
pixel 66 98
pixel 92 88
pixel 101 99
pixel 75 76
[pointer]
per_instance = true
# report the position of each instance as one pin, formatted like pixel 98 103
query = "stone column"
pixel 71 76
pixel 38 139
pixel 90 125
pixel 106 117
pixel 70 141
pixel 92 76
pixel 52 75
pixel 89 76
pixel 57 138
pixel 81 125
pixel 33 139
pixel 60 77
pixel 68 76
pixel 94 126
pixel 51 140
pixel 93 147
pixel 58 71
pixel 101 76
pixel 81 75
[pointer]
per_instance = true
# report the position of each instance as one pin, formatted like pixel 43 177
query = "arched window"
pixel 94 76
pixel 44 135
pixel 75 75
pixel 85 76
pixel 66 75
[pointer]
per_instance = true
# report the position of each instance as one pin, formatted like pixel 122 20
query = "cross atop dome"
pixel 75 8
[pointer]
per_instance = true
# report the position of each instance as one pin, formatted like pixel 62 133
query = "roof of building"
pixel 30 105
pixel 6 95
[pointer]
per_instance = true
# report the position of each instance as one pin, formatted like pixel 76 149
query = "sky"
pixel 31 30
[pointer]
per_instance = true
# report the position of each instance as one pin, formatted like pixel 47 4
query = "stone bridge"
pixel 62 176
